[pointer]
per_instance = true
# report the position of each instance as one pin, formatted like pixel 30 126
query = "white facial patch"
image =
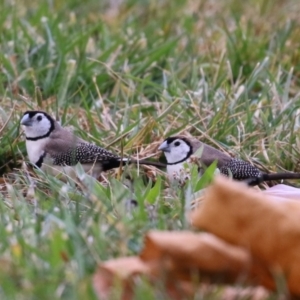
pixel 36 126
pixel 178 151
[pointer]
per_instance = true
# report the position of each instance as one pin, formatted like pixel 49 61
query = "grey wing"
pixel 240 169
pixel 84 153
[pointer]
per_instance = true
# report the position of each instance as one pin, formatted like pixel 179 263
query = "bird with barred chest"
pixel 57 150
pixel 179 150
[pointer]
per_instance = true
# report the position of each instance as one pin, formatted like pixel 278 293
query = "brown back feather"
pixel 61 139
pixel 209 154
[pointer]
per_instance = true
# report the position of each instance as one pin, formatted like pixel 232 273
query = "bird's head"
pixel 176 149
pixel 37 124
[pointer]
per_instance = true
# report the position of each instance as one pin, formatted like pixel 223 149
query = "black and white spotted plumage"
pixel 180 149
pixel 49 144
pixel 85 153
pixel 239 169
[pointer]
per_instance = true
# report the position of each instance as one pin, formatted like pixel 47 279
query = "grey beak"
pixel 26 121
pixel 164 147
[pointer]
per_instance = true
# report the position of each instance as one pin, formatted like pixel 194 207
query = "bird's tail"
pixel 270 177
pixel 143 162
pixel 116 163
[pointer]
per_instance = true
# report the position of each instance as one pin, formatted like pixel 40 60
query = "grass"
pixel 125 74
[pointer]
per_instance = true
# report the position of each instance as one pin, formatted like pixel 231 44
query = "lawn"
pixel 124 74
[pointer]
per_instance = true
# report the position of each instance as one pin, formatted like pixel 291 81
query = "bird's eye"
pixel 39 118
pixel 177 143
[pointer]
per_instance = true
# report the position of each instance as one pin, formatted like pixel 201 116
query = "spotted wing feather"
pixel 85 154
pixel 240 169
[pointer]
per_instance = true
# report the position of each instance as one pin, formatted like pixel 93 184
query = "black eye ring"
pixel 39 118
pixel 177 143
